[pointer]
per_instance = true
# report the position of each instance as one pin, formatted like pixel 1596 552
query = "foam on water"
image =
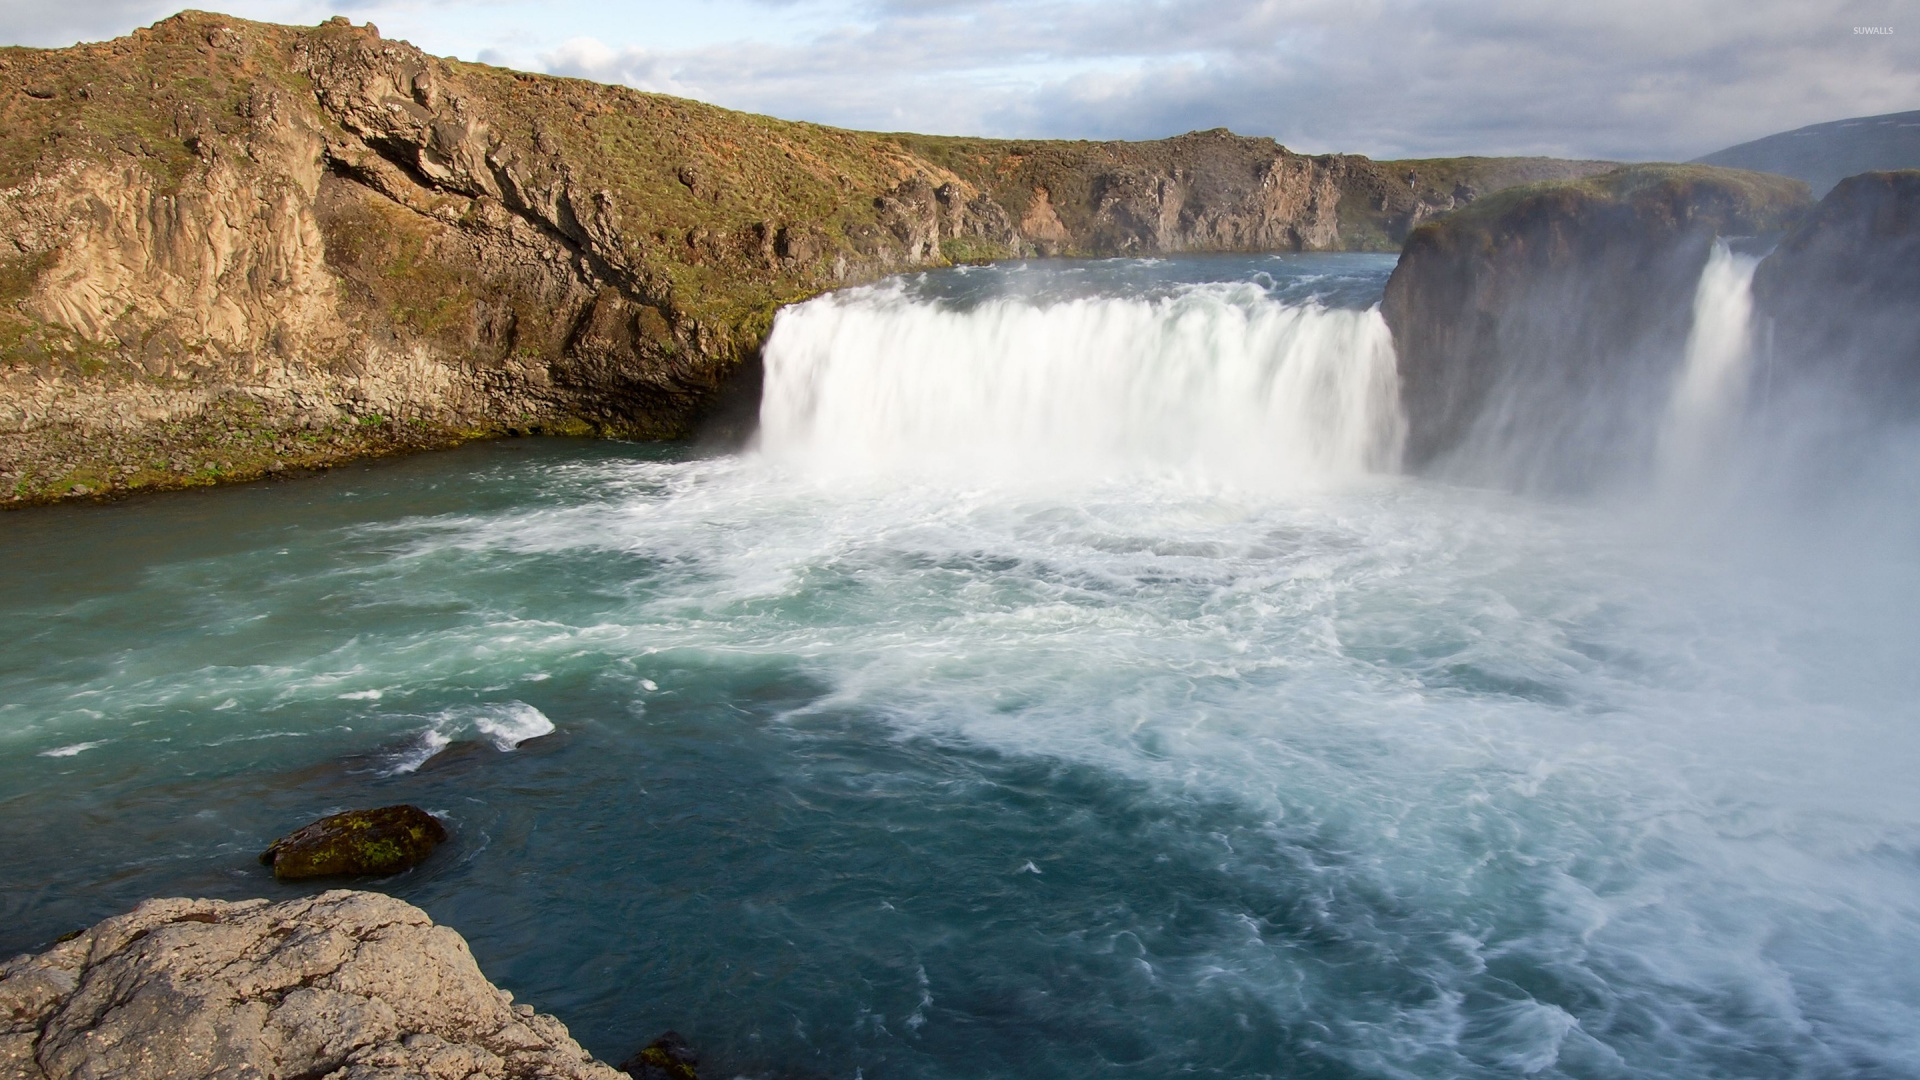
pixel 72 749
pixel 422 748
pixel 861 761
pixel 505 725
pixel 510 724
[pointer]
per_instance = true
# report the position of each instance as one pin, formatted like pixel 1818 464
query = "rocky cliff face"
pixel 1214 191
pixel 1206 191
pixel 1381 204
pixel 227 248
pixel 1539 330
pixel 1841 296
pixel 344 985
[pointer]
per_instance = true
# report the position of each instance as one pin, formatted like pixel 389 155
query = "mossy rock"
pixel 665 1058
pixel 357 842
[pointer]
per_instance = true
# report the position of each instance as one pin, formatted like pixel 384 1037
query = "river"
pixel 1066 683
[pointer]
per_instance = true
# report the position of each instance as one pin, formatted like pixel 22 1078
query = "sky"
pixel 1625 79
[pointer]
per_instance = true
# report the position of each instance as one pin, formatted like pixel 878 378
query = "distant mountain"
pixel 1825 154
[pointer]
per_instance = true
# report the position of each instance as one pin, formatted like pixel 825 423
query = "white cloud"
pixel 44 24
pixel 1631 79
pixel 1628 79
pixel 589 58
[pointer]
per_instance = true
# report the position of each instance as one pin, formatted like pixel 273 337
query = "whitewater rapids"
pixel 1066 685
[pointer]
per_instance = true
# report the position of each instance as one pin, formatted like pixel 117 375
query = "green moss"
pixel 19 275
pixel 659 1058
pixel 1362 229
pixel 968 249
pixel 231 434
pixel 1764 201
pixel 569 426
pixel 426 294
pixel 104 102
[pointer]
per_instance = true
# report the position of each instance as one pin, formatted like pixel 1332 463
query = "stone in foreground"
pixel 346 985
pixel 357 842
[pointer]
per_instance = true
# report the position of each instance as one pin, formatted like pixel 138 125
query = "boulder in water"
pixel 665 1058
pixel 357 842
pixel 346 985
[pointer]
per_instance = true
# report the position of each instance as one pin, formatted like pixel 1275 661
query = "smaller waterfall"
pixel 1222 381
pixel 1711 390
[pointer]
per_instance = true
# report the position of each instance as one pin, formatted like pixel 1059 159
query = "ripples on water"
pixel 862 763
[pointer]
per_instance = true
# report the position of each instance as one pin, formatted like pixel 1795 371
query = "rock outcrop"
pixel 341 986
pixel 229 248
pixel 1841 296
pixel 1538 330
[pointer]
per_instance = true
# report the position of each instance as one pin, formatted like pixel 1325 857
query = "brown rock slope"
pixel 229 247
pixel 1538 331
pixel 344 985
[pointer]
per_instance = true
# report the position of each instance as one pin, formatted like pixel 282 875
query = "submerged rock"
pixel 1538 330
pixel 345 985
pixel 665 1058
pixel 383 841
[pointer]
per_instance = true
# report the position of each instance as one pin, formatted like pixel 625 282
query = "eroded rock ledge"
pixel 343 986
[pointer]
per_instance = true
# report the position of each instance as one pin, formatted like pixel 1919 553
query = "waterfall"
pixel 1711 387
pixel 1217 381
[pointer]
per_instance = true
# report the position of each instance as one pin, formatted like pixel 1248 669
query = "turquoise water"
pixel 867 767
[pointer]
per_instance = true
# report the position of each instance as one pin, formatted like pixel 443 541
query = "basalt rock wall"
pixel 1839 298
pixel 1539 331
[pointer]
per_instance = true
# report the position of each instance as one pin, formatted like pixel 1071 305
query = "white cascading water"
pixel 1710 392
pixel 1218 381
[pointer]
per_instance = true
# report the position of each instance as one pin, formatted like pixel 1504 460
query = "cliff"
pixel 232 248
pixel 1382 204
pixel 344 985
pixel 1841 294
pixel 1538 330
pixel 1213 191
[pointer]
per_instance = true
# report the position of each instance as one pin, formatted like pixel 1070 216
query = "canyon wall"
pixel 230 248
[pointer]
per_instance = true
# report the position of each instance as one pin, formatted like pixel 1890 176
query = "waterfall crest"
pixel 1221 381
